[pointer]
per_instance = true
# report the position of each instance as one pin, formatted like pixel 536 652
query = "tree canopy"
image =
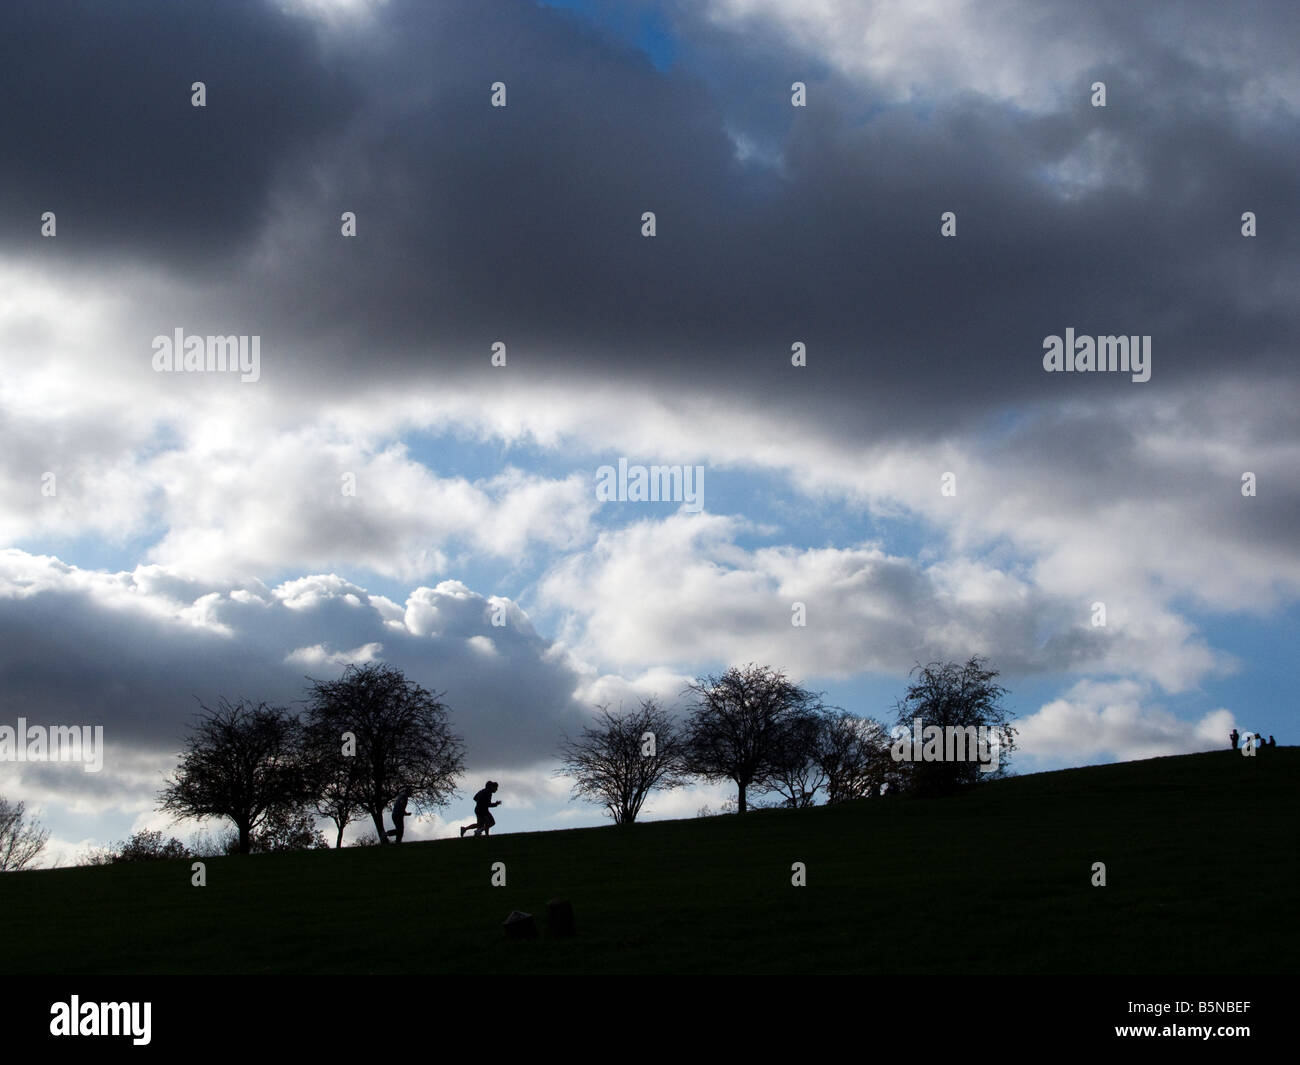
pixel 744 725
pixel 398 732
pixel 241 761
pixel 621 759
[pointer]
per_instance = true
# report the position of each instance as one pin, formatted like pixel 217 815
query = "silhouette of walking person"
pixel 483 819
pixel 1234 735
pixel 399 815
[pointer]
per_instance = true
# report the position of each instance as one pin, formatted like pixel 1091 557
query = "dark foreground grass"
pixel 1200 852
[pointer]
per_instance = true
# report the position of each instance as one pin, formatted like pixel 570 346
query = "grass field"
pixel 1200 852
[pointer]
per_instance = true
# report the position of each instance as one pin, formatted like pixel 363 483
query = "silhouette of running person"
pixel 483 819
pixel 1234 735
pixel 399 815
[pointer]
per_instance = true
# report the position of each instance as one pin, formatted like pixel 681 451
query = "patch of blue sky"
pixel 1261 694
pixel 775 509
pixel 456 455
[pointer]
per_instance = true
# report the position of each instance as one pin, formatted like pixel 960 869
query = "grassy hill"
pixel 1200 852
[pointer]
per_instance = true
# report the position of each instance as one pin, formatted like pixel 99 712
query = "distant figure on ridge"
pixel 1271 741
pixel 399 815
pixel 1234 735
pixel 483 819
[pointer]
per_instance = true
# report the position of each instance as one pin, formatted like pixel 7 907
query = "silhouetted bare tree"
pixel 243 762
pixel 21 839
pixel 742 725
pixel 623 758
pixel 401 732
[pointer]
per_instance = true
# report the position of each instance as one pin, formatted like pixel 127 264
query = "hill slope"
pixel 1200 852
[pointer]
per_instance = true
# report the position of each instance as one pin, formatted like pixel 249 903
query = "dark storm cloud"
pixel 76 656
pixel 522 223
pixel 98 127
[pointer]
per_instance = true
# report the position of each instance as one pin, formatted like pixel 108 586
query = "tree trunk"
pixel 378 816
pixel 245 839
pixel 740 798
pixel 338 844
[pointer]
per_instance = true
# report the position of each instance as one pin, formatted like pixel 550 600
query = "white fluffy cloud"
pixel 682 590
pixel 1116 720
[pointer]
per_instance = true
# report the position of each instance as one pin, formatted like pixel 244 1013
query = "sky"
pixel 922 484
